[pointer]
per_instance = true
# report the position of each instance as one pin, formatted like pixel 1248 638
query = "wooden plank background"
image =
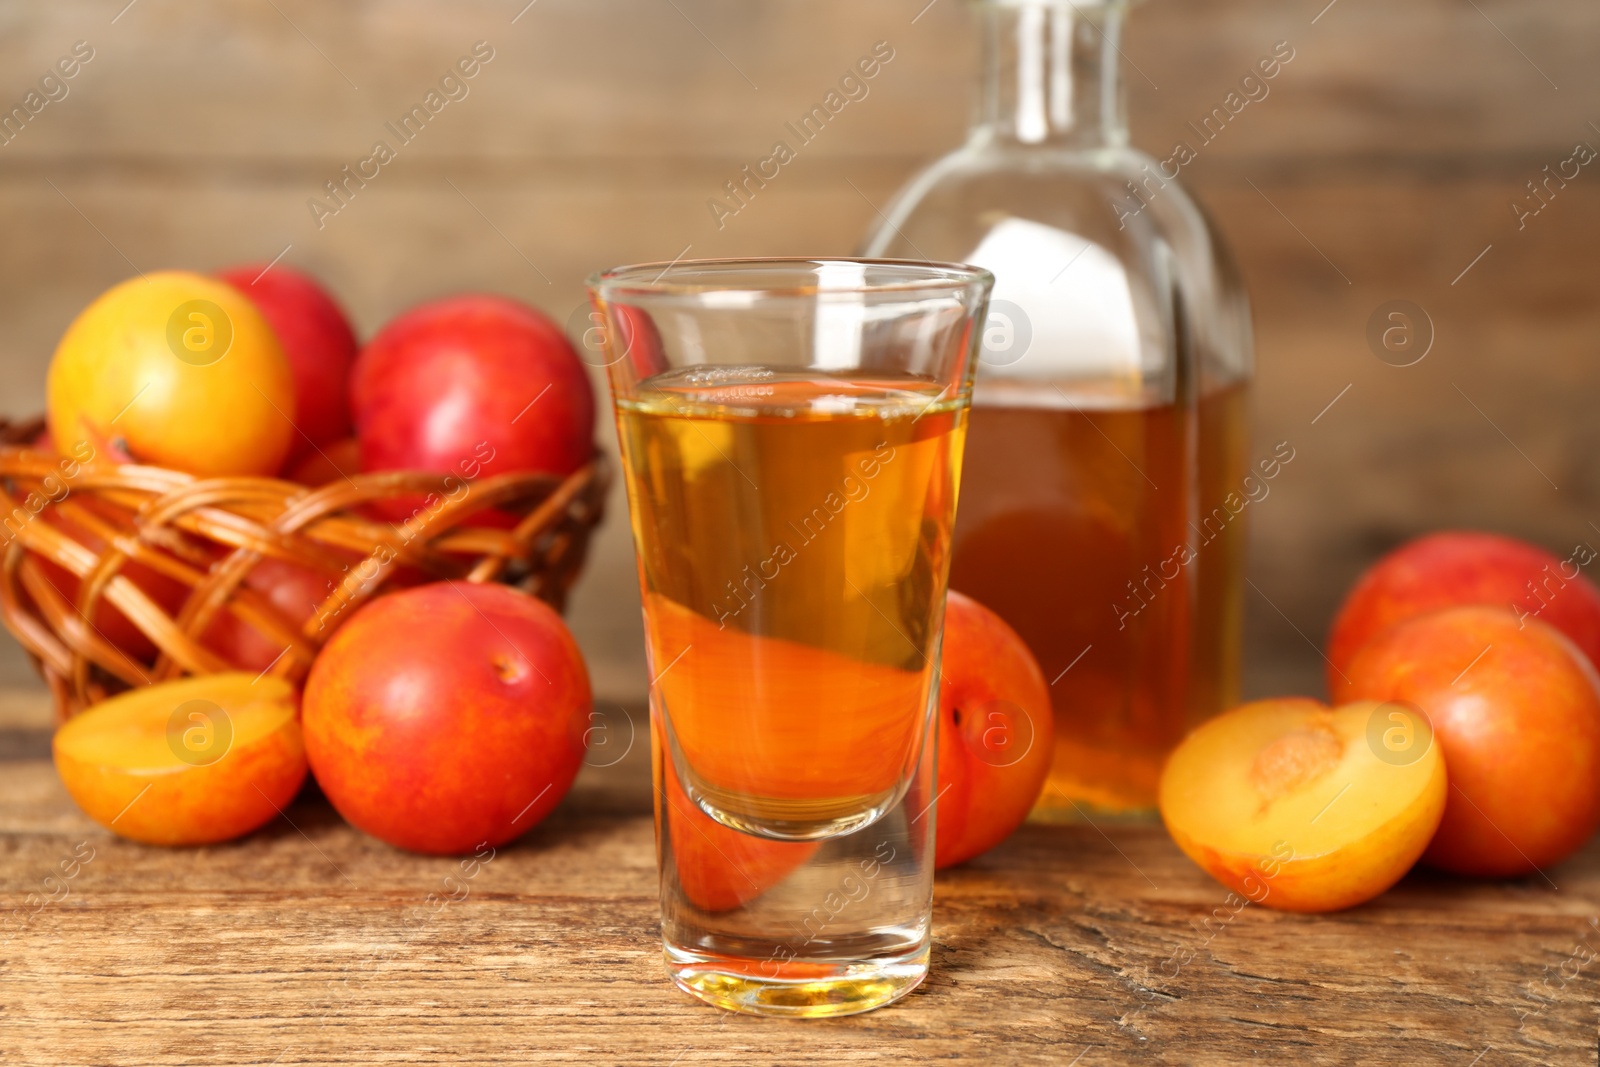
pixel 1380 167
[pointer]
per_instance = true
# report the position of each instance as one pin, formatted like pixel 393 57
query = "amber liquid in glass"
pixel 794 538
pixel 1079 525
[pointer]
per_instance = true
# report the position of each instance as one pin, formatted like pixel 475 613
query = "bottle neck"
pixel 1050 73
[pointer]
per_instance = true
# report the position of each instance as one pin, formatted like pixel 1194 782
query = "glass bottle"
pixel 1101 506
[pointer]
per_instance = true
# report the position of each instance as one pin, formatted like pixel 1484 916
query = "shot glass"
pixel 791 435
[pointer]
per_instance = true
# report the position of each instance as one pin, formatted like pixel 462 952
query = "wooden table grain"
pixel 309 943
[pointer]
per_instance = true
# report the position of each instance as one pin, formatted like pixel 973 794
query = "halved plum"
pixel 1303 807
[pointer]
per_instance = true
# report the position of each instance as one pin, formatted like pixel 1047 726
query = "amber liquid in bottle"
pixel 1077 525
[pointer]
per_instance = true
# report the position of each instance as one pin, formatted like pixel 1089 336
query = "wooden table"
pixel 311 943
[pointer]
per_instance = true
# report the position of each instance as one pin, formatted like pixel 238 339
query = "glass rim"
pixel 722 276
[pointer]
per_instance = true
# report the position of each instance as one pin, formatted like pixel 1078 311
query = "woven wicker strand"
pixel 207 535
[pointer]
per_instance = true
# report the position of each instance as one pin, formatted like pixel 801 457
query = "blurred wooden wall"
pixel 1383 164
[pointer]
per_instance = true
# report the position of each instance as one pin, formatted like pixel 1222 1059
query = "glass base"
pixel 797 989
pixel 1085 812
pixel 1108 779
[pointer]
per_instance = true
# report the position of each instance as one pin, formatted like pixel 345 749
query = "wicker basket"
pixel 208 534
